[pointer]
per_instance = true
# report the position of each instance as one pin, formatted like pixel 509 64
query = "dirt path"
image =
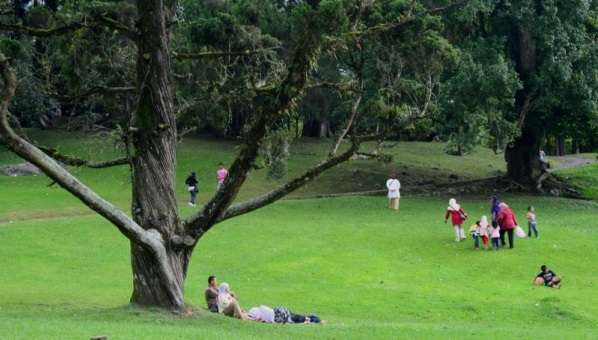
pixel 568 162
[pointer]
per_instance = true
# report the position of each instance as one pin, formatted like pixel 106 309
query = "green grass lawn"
pixel 585 178
pixel 416 163
pixel 369 272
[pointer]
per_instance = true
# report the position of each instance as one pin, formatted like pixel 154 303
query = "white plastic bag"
pixel 519 232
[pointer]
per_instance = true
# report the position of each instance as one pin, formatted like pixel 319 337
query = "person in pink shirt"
pixel 507 222
pixel 221 175
pixel 495 235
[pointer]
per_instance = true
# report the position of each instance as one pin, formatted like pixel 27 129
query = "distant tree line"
pixel 513 75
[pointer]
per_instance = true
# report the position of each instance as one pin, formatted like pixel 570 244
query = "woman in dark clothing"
pixel 494 210
pixel 192 183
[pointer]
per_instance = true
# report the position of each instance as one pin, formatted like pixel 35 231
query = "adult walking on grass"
pixel 394 194
pixel 458 216
pixel 507 222
pixel 494 209
pixel 192 187
pixel 221 175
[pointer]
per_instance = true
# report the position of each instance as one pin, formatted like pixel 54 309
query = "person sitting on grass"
pixel 211 294
pixel 458 216
pixel 278 315
pixel 547 278
pixel 228 303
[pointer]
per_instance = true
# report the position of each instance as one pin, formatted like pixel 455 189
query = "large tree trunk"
pixel 523 158
pixel 560 146
pixel 158 279
pixel 151 286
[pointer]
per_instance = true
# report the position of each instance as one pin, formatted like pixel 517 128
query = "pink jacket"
pixel 506 219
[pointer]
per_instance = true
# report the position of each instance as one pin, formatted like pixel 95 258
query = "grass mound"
pixel 585 178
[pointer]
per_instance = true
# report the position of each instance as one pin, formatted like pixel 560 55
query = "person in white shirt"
pixel 394 195
pixel 261 314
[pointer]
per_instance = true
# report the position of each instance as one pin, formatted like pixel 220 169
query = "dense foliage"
pixel 462 78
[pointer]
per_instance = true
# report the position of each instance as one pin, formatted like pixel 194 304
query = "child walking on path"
pixel 495 234
pixel 531 222
pixel 458 216
pixel 484 231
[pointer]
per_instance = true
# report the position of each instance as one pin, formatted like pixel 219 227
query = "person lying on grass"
pixel 278 315
pixel 547 278
pixel 228 303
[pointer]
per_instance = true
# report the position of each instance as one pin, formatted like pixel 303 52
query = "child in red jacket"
pixel 458 216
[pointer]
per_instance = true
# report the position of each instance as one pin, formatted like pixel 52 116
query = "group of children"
pixel 487 232
pixel 193 183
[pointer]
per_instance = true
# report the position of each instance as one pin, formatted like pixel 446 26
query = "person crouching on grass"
pixel 458 216
pixel 394 195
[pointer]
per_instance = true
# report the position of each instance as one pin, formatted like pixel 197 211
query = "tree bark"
pixel 523 159
pixel 150 286
pixel 158 281
pixel 560 145
pixel 522 156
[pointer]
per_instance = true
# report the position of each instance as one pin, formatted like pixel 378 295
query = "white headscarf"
pixel 503 205
pixel 224 288
pixel 453 205
pixel 484 221
pixel 224 297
